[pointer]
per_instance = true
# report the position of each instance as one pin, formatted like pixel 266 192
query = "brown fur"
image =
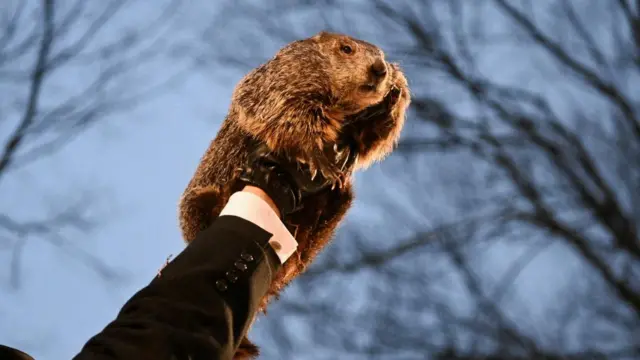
pixel 309 95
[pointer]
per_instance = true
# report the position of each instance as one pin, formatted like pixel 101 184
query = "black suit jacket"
pixel 200 306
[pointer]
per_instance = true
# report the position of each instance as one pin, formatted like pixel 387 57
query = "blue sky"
pixel 137 171
pixel 134 166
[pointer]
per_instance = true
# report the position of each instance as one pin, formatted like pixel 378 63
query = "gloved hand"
pixel 288 181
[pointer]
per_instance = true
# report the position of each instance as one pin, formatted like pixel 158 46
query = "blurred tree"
pixel 66 65
pixel 505 226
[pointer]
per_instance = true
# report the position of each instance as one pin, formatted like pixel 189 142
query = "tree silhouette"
pixel 505 226
pixel 65 66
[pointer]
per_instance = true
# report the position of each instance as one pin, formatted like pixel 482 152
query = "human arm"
pixel 194 308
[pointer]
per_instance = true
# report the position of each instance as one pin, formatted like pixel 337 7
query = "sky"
pixel 140 169
pixel 134 167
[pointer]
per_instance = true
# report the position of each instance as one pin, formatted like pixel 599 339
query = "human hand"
pixel 288 181
pixel 262 195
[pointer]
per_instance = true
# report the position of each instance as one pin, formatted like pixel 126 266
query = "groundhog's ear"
pixel 321 35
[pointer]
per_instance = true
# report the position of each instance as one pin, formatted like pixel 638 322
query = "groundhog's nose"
pixel 379 68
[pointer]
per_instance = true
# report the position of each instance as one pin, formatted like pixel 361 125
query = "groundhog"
pixel 314 94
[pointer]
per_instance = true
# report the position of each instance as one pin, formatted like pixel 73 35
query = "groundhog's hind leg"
pixel 314 227
pixel 198 206
pixel 333 210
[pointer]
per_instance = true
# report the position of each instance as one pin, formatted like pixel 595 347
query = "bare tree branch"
pixel 510 119
pixel 71 68
pixel 37 77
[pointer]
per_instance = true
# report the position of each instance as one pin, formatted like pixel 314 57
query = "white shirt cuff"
pixel 252 208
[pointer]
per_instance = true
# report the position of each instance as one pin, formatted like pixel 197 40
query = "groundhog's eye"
pixel 346 49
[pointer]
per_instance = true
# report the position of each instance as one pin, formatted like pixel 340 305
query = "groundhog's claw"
pixel 320 162
pixel 335 164
pixel 394 95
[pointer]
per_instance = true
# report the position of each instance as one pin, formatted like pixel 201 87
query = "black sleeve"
pixel 202 303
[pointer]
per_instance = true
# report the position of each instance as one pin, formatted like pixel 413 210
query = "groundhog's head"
pixel 303 96
pixel 357 71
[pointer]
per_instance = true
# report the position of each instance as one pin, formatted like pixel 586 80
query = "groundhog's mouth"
pixel 368 87
pixel 383 107
pixel 393 96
